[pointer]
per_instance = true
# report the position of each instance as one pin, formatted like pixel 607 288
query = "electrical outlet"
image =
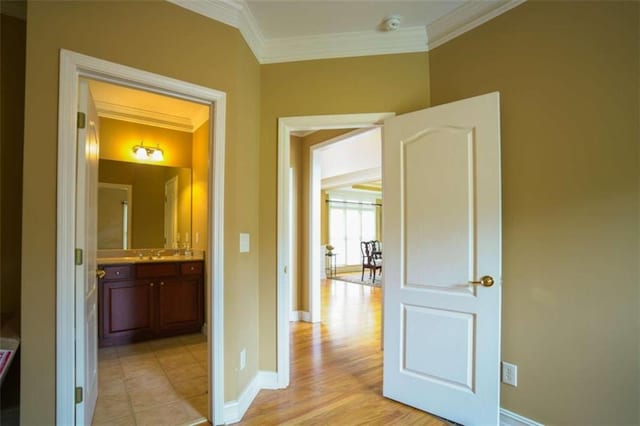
pixel 509 374
pixel 243 359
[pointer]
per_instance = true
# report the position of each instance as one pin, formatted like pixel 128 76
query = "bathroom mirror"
pixel 143 206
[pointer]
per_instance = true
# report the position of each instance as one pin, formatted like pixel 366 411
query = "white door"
pixel 86 240
pixel 441 174
pixel 171 236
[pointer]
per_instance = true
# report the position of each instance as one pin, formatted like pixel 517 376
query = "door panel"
pixel 441 175
pixel 439 222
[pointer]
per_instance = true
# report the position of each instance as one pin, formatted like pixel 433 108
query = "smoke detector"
pixel 391 23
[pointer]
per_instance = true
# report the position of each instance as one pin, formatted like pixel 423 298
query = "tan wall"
pixel 12 135
pixel 117 139
pixel 334 86
pixel 162 38
pixel 200 186
pixel 568 77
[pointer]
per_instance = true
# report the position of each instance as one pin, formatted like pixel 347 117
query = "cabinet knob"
pixel 192 268
pixel 161 282
pixel 117 272
pixel 150 284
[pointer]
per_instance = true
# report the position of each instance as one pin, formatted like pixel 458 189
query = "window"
pixel 350 222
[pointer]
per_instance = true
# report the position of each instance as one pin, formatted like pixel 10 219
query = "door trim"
pixel 286 125
pixel 73 66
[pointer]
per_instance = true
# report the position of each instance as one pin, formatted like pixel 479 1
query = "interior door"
pixel 86 240
pixel 442 227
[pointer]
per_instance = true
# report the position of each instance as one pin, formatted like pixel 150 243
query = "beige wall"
pixel 117 139
pixel 200 186
pixel 162 38
pixel 12 66
pixel 334 86
pixel 568 77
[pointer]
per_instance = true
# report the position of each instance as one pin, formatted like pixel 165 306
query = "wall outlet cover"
pixel 509 374
pixel 244 243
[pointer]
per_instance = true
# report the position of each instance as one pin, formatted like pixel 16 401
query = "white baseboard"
pixel 268 380
pixel 509 418
pixel 300 316
pixel 235 410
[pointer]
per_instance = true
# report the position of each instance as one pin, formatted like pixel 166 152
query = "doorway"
pixel 152 353
pixel 285 127
pixel 73 67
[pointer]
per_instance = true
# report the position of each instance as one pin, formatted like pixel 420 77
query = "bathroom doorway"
pixel 73 68
pixel 152 356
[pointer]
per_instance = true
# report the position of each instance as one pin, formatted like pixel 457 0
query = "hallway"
pixel 336 369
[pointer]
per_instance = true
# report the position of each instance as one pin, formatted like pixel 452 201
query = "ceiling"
pixel 282 19
pixel 294 30
pixel 139 106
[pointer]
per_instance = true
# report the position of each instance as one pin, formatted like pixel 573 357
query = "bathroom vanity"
pixel 145 299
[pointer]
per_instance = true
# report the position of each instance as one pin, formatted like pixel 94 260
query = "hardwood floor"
pixel 336 370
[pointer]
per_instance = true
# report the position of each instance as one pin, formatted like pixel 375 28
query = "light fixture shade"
pixel 157 154
pixel 140 152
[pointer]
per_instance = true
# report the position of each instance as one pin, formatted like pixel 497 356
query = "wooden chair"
pixel 370 260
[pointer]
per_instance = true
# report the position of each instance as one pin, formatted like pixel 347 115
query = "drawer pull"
pixel 117 272
pixel 150 284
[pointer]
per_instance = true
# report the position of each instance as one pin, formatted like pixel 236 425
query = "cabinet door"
pixel 180 305
pixel 128 311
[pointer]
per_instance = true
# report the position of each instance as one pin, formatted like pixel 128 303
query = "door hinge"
pixel 82 120
pixel 78 257
pixel 78 395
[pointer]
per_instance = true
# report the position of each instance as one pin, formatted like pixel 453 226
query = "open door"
pixel 86 298
pixel 442 286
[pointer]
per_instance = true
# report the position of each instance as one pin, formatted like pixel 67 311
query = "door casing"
pixel 74 66
pixel 286 125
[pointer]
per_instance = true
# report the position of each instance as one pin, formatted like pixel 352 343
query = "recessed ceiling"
pixel 139 106
pixel 296 30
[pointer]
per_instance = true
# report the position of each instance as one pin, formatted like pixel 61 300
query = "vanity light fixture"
pixel 142 152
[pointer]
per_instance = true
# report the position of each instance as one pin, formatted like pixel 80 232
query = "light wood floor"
pixel 336 369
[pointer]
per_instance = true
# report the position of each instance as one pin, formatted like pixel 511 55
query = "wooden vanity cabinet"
pixel 149 300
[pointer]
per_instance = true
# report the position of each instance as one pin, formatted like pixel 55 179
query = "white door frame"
pixel 286 125
pixel 73 66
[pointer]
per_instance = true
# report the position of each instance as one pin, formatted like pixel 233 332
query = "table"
pixel 330 264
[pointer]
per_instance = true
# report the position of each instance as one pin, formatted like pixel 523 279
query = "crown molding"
pixel 341 45
pixel 201 116
pixel 149 118
pixel 236 13
pixel 465 18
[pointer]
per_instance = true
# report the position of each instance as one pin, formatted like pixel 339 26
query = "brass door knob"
pixel 100 273
pixel 486 281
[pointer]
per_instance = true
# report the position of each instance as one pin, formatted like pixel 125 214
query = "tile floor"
pixel 160 382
